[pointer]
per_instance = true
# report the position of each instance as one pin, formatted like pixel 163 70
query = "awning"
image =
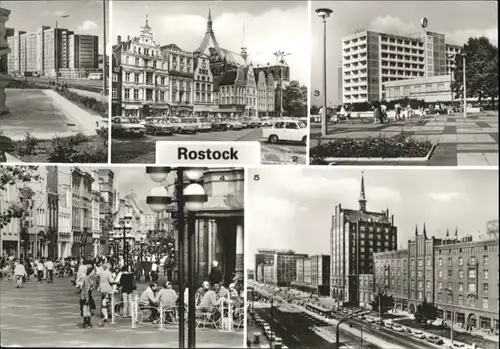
pixel 130 107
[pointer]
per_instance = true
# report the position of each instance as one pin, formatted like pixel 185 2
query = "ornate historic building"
pixel 81 189
pixel 203 98
pixel 181 71
pixel 145 75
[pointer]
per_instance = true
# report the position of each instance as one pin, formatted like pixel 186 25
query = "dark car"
pixel 435 340
pixel 157 126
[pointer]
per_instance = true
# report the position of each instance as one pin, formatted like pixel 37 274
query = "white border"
pixel 110 74
pixel 245 266
pixel 309 82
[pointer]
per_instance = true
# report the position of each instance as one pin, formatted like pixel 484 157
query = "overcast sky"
pixel 269 26
pixel 291 208
pixel 85 16
pixel 458 20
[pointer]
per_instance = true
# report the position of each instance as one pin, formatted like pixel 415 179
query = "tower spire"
pixel 416 229
pixel 425 232
pixel 209 21
pixel 362 196
pixel 244 53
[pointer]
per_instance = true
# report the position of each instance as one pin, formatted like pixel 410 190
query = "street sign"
pixel 316 93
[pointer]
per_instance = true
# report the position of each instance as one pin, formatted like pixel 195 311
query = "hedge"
pixel 87 102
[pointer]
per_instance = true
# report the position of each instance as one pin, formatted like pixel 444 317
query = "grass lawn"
pixel 91 147
pixel 463 337
pixel 133 151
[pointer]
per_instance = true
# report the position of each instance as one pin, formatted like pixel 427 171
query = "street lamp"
pixel 125 227
pixel 192 198
pixel 324 13
pixel 56 51
pixel 337 333
pixel 452 316
pixel 465 84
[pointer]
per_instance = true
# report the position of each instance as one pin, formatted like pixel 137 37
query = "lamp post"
pixel 452 316
pixel 125 227
pixel 465 84
pixel 324 13
pixel 192 198
pixel 337 332
pixel 56 51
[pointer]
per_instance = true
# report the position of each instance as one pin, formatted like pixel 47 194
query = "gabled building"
pixel 181 72
pixel 265 93
pixel 145 78
pixel 203 98
pixel 230 91
pixel 250 91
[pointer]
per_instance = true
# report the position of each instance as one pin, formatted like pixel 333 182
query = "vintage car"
pixel 203 124
pixel 158 126
pixel 287 131
pixel 182 125
pixel 219 124
pixel 234 124
pixel 266 121
pixel 255 122
pixel 123 126
pixel 246 122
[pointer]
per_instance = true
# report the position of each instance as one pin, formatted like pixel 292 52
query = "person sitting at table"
pixel 221 291
pixel 233 294
pixel 149 300
pixel 209 303
pixel 204 287
pixel 167 297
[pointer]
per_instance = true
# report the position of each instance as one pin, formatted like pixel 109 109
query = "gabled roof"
pixel 171 47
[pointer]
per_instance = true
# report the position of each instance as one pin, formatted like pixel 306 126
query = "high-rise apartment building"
pixel 49 49
pixel 354 237
pixel 278 267
pixel 371 59
pixel 313 275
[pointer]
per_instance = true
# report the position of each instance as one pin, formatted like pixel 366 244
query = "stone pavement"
pixel 282 154
pixel 47 315
pixel 461 142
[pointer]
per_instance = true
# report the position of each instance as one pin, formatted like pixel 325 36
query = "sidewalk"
pixel 86 93
pixel 86 120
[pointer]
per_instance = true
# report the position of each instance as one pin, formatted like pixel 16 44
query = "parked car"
pixel 435 340
pixel 219 124
pixel 266 121
pixel 157 126
pixel 123 126
pixel 418 335
pixel 203 124
pixel 291 131
pixel 456 345
pixel 388 324
pixel 182 125
pixel 398 327
pixel 255 122
pixel 234 124
pixel 370 320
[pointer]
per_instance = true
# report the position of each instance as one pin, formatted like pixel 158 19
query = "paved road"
pixel 125 149
pixel 47 315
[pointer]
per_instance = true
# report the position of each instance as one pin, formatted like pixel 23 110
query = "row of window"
pixel 138 95
pixel 471 274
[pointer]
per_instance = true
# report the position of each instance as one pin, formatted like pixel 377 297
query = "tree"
pixel 425 311
pixel 295 99
pixel 22 175
pixel 481 60
pixel 386 302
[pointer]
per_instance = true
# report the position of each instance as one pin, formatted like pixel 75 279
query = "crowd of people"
pixel 116 283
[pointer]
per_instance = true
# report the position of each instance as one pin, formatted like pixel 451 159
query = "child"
pixel 105 309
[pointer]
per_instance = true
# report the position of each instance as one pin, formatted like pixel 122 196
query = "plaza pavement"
pixel 44 114
pixel 47 315
pixel 461 142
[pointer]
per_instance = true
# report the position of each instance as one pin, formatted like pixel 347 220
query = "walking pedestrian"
pixel 86 299
pixel 39 270
pixel 49 266
pixel 19 273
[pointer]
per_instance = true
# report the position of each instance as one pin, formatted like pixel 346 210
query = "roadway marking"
pixel 295 338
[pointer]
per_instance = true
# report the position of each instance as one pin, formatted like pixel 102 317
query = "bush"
pixel 371 147
pixel 87 102
pixel 22 84
pixel 29 143
pixel 65 150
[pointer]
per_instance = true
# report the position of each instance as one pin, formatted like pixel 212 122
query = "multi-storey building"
pixel 145 79
pixel 313 274
pixel 97 200
pixel 10 233
pixel 81 189
pixel 354 237
pixel 49 49
pixel 366 289
pixel 83 52
pixel 264 256
pixel 106 209
pixel 459 274
pixel 251 92
pixel 230 92
pixel 265 93
pixel 280 267
pixel 181 71
pixel 52 229
pixel 65 236
pixel 371 59
pixel 203 97
pixel 116 87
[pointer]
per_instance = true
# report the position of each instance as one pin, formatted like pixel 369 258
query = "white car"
pixel 418 335
pixel 288 131
pixel 398 328
pixel 456 345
